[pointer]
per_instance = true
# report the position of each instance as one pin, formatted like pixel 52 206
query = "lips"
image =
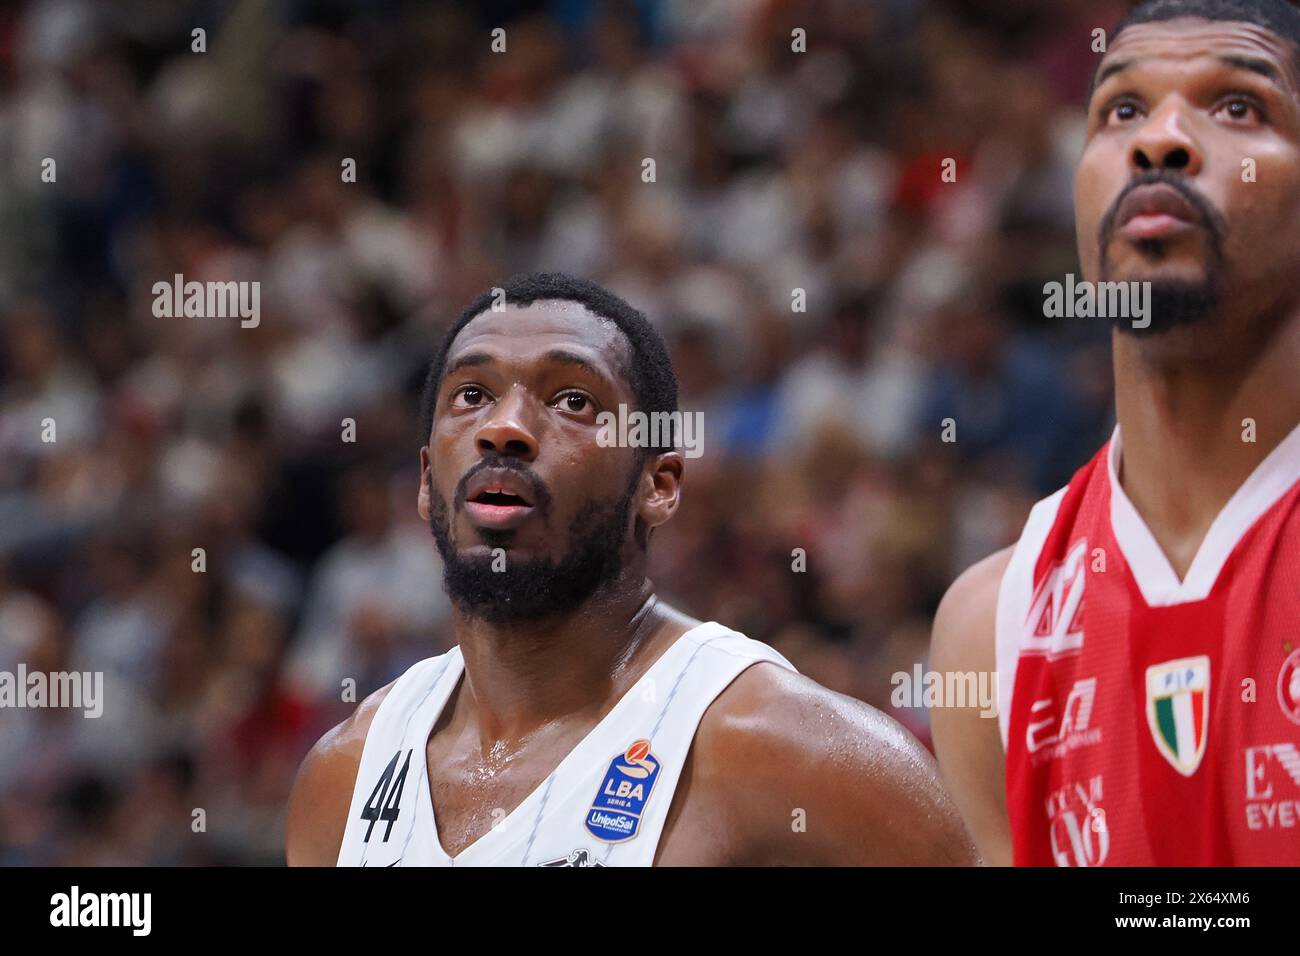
pixel 498 499
pixel 1157 211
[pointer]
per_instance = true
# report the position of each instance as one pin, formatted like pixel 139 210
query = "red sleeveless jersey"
pixel 1149 721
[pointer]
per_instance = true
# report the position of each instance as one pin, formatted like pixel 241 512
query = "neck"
pixel 1186 427
pixel 521 676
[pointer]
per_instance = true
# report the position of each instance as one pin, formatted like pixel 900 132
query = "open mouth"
pixel 503 498
pixel 497 504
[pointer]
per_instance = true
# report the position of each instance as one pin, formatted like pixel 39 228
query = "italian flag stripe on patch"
pixel 1165 720
pixel 1180 718
pixel 1198 717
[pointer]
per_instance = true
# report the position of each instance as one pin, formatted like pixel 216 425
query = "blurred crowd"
pixel 829 299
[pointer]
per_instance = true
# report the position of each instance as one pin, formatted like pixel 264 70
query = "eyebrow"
pixel 468 360
pixel 1253 64
pixel 573 358
pixel 1107 71
pixel 561 356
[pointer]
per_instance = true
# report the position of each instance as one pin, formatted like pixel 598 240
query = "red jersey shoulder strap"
pixel 1043 543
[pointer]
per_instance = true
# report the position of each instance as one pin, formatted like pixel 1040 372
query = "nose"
pixel 1165 143
pixel 506 431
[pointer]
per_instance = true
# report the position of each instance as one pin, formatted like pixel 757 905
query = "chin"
pixel 489 543
pixel 1166 272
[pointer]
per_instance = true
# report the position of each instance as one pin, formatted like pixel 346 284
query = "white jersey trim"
pixel 1015 596
pixel 1155 576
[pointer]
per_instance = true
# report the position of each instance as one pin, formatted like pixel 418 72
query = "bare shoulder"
pixel 322 791
pixel 968 742
pixel 964 624
pixel 810 776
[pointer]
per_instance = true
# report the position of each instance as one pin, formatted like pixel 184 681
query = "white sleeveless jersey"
pixel 604 805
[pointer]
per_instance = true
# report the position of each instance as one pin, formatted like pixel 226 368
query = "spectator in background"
pixel 375 599
pixel 774 170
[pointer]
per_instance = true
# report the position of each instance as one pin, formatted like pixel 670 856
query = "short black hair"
pixel 1276 16
pixel 649 375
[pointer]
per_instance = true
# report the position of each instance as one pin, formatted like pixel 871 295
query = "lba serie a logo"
pixel 615 815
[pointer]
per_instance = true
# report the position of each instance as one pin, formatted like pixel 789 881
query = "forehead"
pixel 528 332
pixel 1193 41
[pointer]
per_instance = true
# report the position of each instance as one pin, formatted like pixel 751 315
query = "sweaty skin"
pixel 1195 99
pixel 781 770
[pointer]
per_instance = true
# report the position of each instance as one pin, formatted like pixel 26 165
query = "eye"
pixel 1240 109
pixel 579 403
pixel 1119 111
pixel 468 396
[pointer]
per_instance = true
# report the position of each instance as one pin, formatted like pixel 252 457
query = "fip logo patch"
pixel 616 813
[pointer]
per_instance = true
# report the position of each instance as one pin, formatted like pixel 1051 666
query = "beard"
pixel 537 588
pixel 1175 303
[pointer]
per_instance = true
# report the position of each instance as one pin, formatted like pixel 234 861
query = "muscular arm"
pixel 795 774
pixel 322 792
pixel 970 746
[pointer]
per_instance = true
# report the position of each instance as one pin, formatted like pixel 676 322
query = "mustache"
pixel 1211 218
pixel 540 493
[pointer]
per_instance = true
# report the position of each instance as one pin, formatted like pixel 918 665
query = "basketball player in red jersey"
pixel 776 769
pixel 1146 627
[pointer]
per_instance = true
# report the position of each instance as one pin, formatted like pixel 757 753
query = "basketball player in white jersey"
pixel 1145 600
pixel 580 721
